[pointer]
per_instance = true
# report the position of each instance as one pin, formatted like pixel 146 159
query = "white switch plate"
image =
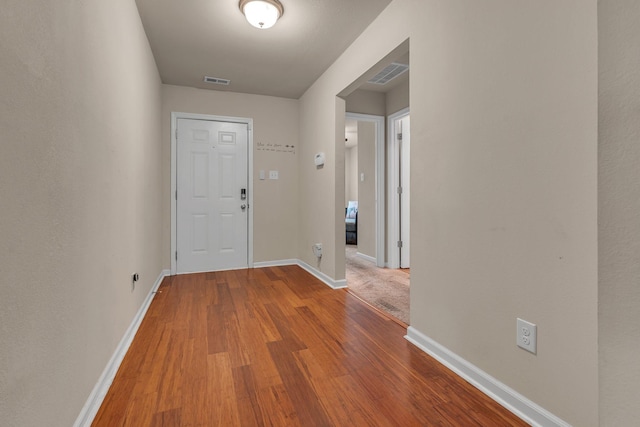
pixel 261 175
pixel 527 334
pixel 273 174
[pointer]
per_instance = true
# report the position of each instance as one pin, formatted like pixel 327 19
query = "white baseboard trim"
pixel 522 407
pixel 335 284
pixel 277 263
pixel 367 257
pixel 92 405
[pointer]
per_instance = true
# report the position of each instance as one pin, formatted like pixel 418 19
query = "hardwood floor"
pixel 276 347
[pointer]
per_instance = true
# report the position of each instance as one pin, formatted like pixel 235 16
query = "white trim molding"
pixel 335 284
pixel 522 407
pixel 92 405
pixel 393 182
pixel 367 257
pixel 278 263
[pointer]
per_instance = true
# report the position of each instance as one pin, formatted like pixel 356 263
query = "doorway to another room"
pixel 368 276
pixel 381 245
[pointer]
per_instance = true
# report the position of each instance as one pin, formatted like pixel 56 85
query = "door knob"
pixel 243 207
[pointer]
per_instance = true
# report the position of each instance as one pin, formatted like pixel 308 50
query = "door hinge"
pixel 400 136
pixel 176 255
pixel 399 243
pixel 399 190
pixel 176 194
pixel 176 134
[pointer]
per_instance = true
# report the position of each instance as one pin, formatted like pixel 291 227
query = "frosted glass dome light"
pixel 261 14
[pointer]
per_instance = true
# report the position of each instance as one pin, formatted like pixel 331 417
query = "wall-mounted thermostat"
pixel 319 159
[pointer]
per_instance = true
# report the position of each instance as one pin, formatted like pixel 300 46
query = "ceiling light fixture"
pixel 262 14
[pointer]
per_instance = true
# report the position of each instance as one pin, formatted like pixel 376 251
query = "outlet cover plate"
pixel 527 335
pixel 317 250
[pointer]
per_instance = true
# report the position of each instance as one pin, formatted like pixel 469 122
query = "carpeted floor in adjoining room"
pixel 384 288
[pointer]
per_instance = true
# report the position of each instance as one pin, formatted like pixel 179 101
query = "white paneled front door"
pixel 212 203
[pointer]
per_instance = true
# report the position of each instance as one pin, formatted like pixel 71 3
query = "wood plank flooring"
pixel 276 347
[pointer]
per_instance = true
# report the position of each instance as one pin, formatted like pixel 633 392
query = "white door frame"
pixel 393 178
pixel 380 191
pixel 174 178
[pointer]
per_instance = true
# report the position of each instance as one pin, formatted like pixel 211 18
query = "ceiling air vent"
pixel 217 81
pixel 389 73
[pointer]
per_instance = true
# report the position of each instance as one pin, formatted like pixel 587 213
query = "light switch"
pixel 262 175
pixel 273 174
pixel 362 177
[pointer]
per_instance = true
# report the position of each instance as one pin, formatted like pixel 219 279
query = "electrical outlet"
pixel 134 278
pixel 526 337
pixel 317 250
pixel 273 174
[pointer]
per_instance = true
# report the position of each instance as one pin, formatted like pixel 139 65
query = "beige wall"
pixel 275 202
pixel 619 211
pixel 321 192
pixel 367 188
pixel 81 198
pixel 398 98
pixel 504 220
pixel 351 174
pixel 366 102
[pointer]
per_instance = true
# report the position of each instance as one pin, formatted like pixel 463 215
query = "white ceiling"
pixel 194 38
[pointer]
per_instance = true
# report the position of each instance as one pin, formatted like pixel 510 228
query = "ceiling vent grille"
pixel 217 81
pixel 389 73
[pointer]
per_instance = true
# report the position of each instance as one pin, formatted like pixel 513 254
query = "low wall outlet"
pixel 273 174
pixel 527 335
pixel 317 250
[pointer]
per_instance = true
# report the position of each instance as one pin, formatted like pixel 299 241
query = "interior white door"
pixel 405 199
pixel 212 218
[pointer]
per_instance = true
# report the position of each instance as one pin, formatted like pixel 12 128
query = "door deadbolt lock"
pixel 243 194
